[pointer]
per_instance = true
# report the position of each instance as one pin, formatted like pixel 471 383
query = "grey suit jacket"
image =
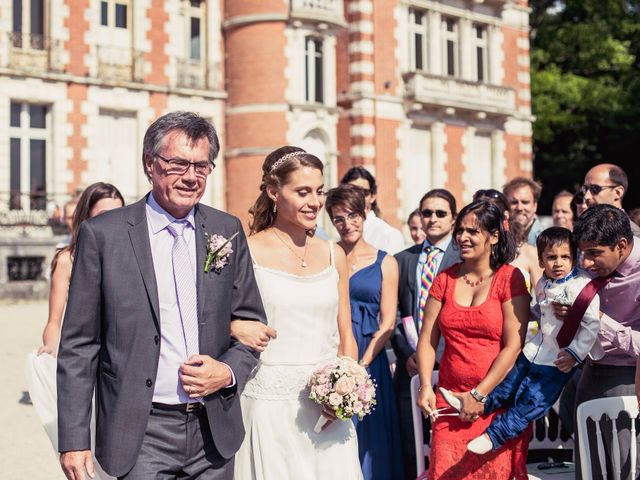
pixel 111 334
pixel 407 299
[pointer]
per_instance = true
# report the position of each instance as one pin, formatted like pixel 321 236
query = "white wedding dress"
pixel 40 372
pixel 280 442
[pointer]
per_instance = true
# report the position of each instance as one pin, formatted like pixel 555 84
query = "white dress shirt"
pixel 442 245
pixel 173 350
pixel 381 235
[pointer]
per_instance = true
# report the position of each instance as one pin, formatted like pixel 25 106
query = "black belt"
pixel 179 407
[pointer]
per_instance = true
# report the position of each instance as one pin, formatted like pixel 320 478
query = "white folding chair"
pixel 546 436
pixel 546 432
pixel 594 410
pixel 422 449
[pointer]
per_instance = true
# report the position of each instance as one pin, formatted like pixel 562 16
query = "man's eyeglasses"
pixel 179 166
pixel 351 218
pixel 595 189
pixel 427 213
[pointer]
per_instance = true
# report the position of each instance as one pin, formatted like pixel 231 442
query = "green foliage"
pixel 585 70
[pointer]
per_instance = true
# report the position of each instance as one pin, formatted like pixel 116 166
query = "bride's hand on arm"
pixel 253 334
pixel 348 346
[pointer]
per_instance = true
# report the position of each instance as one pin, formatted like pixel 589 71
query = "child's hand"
pixel 565 361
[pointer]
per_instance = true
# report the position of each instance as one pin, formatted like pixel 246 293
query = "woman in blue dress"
pixel 373 292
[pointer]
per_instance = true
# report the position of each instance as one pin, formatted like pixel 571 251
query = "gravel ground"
pixel 25 450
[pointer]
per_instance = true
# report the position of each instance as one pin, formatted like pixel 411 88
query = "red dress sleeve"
pixel 439 286
pixel 512 284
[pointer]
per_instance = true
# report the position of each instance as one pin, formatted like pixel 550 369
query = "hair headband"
pixel 278 163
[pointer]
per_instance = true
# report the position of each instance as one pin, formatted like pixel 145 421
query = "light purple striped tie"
pixel 186 292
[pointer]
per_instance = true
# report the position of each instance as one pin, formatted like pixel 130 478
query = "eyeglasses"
pixel 179 166
pixel 351 218
pixel 595 189
pixel 427 213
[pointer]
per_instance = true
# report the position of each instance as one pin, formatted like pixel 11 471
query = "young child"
pixel 543 368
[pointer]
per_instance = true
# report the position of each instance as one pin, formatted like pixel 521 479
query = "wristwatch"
pixel 478 396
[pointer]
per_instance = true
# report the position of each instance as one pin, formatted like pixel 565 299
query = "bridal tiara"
pixel 284 158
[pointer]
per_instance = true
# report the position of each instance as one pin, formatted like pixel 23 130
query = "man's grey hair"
pixel 191 124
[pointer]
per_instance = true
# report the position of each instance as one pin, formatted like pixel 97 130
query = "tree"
pixel 585 83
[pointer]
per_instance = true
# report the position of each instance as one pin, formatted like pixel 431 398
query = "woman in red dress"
pixel 481 307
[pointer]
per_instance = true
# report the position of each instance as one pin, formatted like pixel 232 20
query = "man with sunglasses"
pixel 523 195
pixel 607 184
pixel 147 325
pixel 418 265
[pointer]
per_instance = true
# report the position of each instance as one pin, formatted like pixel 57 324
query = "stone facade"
pixel 424 93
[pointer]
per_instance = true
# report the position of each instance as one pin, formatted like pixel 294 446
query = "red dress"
pixel 473 339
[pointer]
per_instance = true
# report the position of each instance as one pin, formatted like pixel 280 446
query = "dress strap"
pixel 331 253
pixel 381 255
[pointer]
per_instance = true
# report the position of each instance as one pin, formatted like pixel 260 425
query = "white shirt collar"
pixel 159 218
pixel 442 244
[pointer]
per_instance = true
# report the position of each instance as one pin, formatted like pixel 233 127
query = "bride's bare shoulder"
pixel 260 242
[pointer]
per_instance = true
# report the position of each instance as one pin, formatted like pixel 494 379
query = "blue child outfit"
pixel 379 432
pixel 535 383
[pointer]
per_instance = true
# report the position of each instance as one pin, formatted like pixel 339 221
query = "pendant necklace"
pixel 303 263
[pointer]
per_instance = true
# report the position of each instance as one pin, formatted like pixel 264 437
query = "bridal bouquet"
pixel 343 386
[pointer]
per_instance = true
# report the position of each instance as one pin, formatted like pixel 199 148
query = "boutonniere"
pixel 218 251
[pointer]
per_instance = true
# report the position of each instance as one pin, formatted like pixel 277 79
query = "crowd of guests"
pixel 462 300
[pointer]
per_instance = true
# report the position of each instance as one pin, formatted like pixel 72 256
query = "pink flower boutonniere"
pixel 218 251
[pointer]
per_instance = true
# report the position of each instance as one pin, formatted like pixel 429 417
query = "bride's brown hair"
pixel 276 168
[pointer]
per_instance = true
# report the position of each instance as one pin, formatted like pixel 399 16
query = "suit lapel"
pixel 139 235
pixel 451 256
pixel 412 271
pixel 201 253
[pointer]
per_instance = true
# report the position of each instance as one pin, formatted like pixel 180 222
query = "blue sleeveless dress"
pixel 379 432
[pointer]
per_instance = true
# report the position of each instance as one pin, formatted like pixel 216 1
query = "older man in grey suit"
pixel 149 327
pixel 417 266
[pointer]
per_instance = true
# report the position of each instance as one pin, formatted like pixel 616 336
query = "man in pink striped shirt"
pixel 604 235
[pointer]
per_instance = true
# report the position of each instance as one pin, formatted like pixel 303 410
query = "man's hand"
pixel 201 375
pixel 560 310
pixel 565 361
pixel 412 365
pixel 74 463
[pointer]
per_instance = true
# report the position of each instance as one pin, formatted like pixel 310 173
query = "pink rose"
pixel 335 399
pixel 345 385
pixel 322 390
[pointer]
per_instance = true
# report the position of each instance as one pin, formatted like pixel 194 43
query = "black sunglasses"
pixel 427 213
pixel 595 189
pixel 490 193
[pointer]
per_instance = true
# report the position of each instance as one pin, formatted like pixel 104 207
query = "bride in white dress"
pixel 303 282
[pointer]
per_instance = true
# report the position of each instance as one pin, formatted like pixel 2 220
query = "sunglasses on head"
pixel 428 213
pixel 595 189
pixel 490 193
